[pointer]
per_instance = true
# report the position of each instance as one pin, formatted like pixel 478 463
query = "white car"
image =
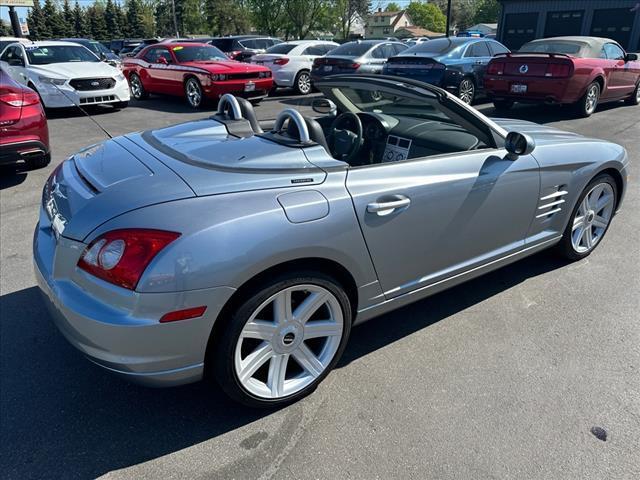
pixel 291 62
pixel 65 74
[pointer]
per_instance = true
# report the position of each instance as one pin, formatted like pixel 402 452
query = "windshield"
pixel 59 54
pixel 224 44
pixel 198 53
pixel 438 47
pixel 352 49
pixel 97 48
pixel 552 47
pixel 281 48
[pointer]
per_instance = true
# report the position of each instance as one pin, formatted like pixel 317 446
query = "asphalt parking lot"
pixel 501 377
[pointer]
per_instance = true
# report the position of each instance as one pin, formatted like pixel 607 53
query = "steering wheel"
pixel 345 144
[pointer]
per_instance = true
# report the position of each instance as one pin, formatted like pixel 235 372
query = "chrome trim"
pixel 296 116
pixel 554 194
pixel 235 106
pixel 551 212
pixel 552 204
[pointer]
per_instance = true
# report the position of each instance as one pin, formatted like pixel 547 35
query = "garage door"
pixel 519 29
pixel 564 23
pixel 615 23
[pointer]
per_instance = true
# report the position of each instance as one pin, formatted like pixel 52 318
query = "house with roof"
pixel 384 24
pixel 415 32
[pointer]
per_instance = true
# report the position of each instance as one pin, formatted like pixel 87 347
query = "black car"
pixel 98 48
pixel 120 46
pixel 241 47
pixel 455 63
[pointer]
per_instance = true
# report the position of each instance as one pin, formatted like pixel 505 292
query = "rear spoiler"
pixel 529 54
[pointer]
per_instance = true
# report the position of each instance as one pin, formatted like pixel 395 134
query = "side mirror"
pixel 631 57
pixel 324 106
pixel 103 57
pixel 162 60
pixel 518 144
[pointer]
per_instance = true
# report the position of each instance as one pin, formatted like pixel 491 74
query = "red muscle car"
pixel 196 71
pixel 582 71
pixel 23 125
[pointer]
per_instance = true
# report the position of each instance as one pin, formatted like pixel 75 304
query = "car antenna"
pixel 83 111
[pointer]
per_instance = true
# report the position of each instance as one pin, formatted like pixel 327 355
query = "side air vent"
pixel 552 203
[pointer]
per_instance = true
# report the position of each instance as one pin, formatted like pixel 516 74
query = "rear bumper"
pixel 14 152
pixel 118 329
pixel 539 90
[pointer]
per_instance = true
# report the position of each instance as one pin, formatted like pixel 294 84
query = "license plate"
pixel 249 87
pixel 518 88
pixel 328 68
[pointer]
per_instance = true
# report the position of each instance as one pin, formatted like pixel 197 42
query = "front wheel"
pixel 589 101
pixel 193 93
pixel 137 89
pixel 590 218
pixel 303 83
pixel 634 99
pixel 283 340
pixel 467 91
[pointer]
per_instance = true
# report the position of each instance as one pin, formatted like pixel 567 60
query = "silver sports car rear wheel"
pixel 590 219
pixel 284 341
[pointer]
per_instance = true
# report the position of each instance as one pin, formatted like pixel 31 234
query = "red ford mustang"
pixel 195 71
pixel 23 126
pixel 571 70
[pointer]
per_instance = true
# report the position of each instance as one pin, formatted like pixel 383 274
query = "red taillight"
pixel 281 61
pixel 185 314
pixel 495 68
pixel 355 66
pixel 20 99
pixel 558 70
pixel 121 256
pixel 318 61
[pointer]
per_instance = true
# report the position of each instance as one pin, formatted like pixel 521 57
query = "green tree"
pixel 392 7
pixel 53 19
pixel 135 19
pixel 80 26
pixel 268 15
pixel 224 17
pixel 4 28
pixel 462 12
pixel 427 15
pixel 344 12
pixel 111 20
pixel 67 19
pixel 37 25
pixel 305 15
pixel 97 24
pixel 488 11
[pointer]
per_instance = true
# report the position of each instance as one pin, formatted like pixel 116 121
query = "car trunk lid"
pixel 427 69
pixel 532 65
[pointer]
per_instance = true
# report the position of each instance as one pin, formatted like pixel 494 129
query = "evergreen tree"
pixel 111 20
pixel 53 20
pixel 38 28
pixel 67 17
pixel 122 19
pixel 80 27
pixel 135 20
pixel 97 24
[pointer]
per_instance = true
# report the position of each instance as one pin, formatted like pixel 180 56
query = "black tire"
pixel 41 161
pixel 120 105
pixel 136 87
pixel 565 246
pixel 584 107
pixel 467 90
pixel 223 347
pixel 634 99
pixel 302 83
pixel 194 94
pixel 502 105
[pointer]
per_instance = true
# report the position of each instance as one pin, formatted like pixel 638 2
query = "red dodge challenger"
pixel 582 71
pixel 195 71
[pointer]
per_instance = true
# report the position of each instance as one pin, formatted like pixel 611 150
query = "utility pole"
pixel 448 17
pixel 15 22
pixel 175 19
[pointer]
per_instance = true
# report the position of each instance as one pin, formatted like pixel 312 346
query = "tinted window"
pixel 613 52
pixel 377 52
pixel 11 53
pixel 497 48
pixel 224 44
pixel 388 50
pixel 314 50
pixel 59 54
pixel 197 54
pixel 96 47
pixel 352 49
pixel 478 49
pixel 154 54
pixel 282 48
pixel 400 48
pixel 439 46
pixel 553 46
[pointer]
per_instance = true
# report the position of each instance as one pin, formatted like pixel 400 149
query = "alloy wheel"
pixel 591 101
pixel 288 341
pixel 194 93
pixel 592 217
pixel 638 94
pixel 136 87
pixel 304 83
pixel 466 91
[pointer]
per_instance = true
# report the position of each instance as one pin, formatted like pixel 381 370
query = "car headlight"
pixel 218 77
pixel 52 81
pixel 120 77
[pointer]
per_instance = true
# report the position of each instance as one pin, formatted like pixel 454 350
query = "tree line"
pixel 109 19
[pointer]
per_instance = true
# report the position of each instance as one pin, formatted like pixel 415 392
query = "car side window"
pixel 388 50
pixel 399 48
pixel 13 53
pixel 248 43
pixel 377 52
pixel 497 48
pixel 313 50
pixel 154 54
pixel 614 52
pixel 478 49
pixel 7 55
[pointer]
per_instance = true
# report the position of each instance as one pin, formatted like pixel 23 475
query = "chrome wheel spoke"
pixel 321 329
pixel 603 202
pixel 310 306
pixel 599 222
pixel 307 360
pixel 592 217
pixel 277 373
pixel 259 329
pixel 588 237
pixel 282 307
pixel 254 361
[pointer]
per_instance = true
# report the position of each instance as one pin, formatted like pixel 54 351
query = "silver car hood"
pixel 212 162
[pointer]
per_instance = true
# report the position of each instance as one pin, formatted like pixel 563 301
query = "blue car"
pixel 456 64
pixel 98 49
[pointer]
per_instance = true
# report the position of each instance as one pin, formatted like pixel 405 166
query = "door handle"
pixel 387 207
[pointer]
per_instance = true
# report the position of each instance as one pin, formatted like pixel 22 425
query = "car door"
pixel 453 213
pixel 478 56
pixel 377 59
pixel 13 62
pixel 623 79
pixel 158 70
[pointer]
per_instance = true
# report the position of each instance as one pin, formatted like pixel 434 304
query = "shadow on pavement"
pixel 542 113
pixel 12 175
pixel 63 417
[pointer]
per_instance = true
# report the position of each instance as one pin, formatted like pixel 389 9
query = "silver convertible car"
pixel 216 248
